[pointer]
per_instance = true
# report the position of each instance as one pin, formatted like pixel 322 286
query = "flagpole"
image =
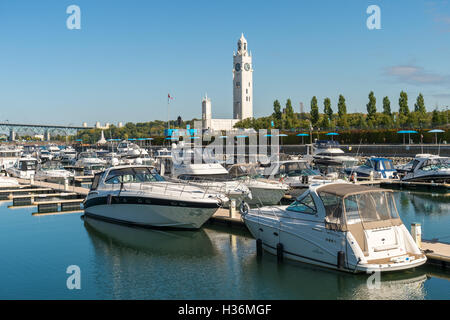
pixel 168 122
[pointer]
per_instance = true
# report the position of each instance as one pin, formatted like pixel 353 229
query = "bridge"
pixel 45 129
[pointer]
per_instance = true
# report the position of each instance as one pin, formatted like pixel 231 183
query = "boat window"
pixel 369 207
pixel 333 207
pixel 295 169
pixel 95 181
pixel 368 164
pixel 388 165
pixel 129 175
pixel 351 210
pixel 414 164
pixel 306 205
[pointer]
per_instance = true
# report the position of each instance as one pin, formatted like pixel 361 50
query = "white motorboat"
pixel 296 173
pixel 374 168
pixel 208 173
pixel 137 195
pixel 54 150
pixel 23 168
pixel 45 155
pixel 88 158
pixel 341 226
pixel 129 149
pixel 427 168
pixel 52 172
pixel 9 156
pixel 264 191
pixel 68 154
pixel 329 153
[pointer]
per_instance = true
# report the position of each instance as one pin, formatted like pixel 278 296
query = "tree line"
pixel 287 119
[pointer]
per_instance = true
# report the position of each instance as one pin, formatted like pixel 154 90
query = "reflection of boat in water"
pixel 186 242
pixel 429 203
pixel 282 281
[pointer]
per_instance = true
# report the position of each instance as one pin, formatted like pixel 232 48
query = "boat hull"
pixel 152 215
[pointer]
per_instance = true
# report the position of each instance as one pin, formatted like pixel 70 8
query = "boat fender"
pixel 279 252
pixel 259 248
pixel 243 208
pixel 109 199
pixel 340 259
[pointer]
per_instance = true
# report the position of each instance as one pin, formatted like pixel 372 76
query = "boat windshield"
pixel 294 169
pixel 133 175
pixel 27 165
pixel 436 164
pixel 384 164
pixel 243 171
pixel 362 208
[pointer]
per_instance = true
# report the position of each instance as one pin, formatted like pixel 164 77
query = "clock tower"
pixel 242 81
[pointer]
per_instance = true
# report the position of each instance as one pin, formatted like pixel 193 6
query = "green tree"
pixel 342 112
pixel 290 117
pixel 419 106
pixel 403 104
pixel 435 118
pixel 327 108
pixel 387 106
pixel 371 107
pixel 276 110
pixel 314 111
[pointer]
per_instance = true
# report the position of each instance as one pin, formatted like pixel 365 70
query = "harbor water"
pixel 119 262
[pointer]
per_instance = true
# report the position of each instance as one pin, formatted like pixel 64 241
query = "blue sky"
pixel 129 54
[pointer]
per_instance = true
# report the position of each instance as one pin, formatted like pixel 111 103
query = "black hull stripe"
pixel 147 201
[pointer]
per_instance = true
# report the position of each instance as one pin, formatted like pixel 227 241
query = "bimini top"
pixel 345 189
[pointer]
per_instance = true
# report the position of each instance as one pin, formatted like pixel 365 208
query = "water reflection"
pixel 152 241
pixel 221 263
pixel 425 203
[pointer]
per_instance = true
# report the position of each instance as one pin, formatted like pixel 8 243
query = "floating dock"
pixel 437 253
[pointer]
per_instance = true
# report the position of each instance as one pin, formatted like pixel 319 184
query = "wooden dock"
pixel 421 186
pixel 56 186
pixel 437 253
pixel 222 216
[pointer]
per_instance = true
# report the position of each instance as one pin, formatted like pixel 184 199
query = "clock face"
pixel 237 67
pixel 247 67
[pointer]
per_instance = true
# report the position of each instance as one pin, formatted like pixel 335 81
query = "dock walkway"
pixel 55 186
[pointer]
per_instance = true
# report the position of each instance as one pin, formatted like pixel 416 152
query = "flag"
pixel 169 97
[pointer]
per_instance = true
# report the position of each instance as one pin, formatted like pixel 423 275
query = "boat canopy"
pixel 355 208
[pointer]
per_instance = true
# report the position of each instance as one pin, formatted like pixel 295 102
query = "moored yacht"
pixel 298 174
pixel 9 156
pixel 52 172
pixel 329 153
pixel 427 168
pixel 208 173
pixel 263 190
pixel 23 168
pixel 374 168
pixel 342 226
pixel 138 195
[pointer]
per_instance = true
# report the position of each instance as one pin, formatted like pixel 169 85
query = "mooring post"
pixel 232 210
pixel 416 233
